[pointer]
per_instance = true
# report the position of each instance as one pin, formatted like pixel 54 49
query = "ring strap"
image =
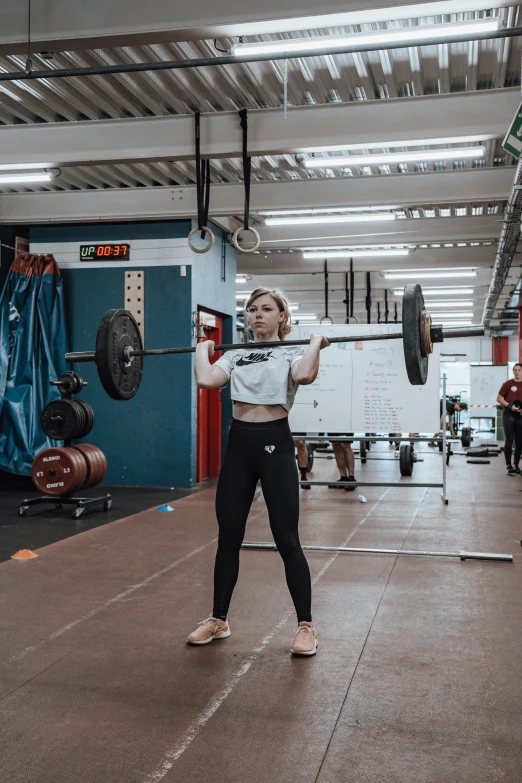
pixel 247 167
pixel 202 180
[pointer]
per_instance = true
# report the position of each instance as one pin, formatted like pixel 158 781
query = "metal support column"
pixel 444 494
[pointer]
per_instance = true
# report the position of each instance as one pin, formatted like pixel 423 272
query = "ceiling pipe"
pixel 206 62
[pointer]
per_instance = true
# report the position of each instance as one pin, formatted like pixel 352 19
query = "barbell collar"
pixel 81 356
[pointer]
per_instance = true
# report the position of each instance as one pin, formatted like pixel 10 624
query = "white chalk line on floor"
pixel 117 598
pixel 171 756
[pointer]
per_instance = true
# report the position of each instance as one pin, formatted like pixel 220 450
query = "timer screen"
pixel 102 252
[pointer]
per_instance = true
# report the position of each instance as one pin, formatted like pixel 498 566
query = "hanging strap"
pixel 202 180
pixel 247 161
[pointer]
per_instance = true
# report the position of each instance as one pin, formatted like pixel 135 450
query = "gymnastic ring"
pixel 347 319
pixel 326 318
pixel 242 249
pixel 201 249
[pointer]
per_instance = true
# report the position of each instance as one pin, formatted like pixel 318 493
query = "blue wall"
pixel 149 440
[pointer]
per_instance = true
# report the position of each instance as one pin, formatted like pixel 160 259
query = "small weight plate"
pixel 89 418
pixel 310 463
pixel 362 451
pixel 466 437
pixel 67 382
pixel 416 362
pixel 58 471
pixel 117 330
pixel 61 419
pixel 406 459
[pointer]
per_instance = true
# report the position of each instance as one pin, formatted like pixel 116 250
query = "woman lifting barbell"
pixel 260 447
pixel 510 397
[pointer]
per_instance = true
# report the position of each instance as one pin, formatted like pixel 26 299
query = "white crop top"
pixel 262 376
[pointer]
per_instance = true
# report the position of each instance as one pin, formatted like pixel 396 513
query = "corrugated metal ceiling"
pixel 317 80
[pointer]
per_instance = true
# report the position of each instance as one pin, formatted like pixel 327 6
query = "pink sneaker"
pixel 305 640
pixel 209 629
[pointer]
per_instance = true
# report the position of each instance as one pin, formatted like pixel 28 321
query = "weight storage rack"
pixel 68 498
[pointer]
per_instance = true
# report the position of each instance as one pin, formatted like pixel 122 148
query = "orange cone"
pixel 23 554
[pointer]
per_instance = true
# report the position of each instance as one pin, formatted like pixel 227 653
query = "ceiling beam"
pixel 486 113
pixel 162 202
pixel 59 25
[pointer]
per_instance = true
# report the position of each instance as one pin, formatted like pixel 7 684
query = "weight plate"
pixel 120 378
pixel 58 471
pixel 67 382
pixel 412 308
pixel 96 465
pixel 62 419
pixel 362 451
pixel 466 436
pixel 89 418
pixel 406 459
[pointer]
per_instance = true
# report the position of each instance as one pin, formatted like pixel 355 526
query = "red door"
pixel 208 437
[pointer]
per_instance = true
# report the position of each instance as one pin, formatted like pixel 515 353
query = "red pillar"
pixel 500 350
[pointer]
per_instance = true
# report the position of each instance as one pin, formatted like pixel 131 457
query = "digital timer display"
pixel 102 252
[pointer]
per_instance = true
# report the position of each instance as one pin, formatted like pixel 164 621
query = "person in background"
pixel 451 408
pixel 345 460
pixel 510 398
pixel 302 459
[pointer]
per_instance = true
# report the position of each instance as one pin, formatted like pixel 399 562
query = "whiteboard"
pixel 485 381
pixel 364 387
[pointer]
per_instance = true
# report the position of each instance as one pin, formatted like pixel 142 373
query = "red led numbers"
pixel 100 252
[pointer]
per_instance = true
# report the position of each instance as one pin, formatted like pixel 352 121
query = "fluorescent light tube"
pixel 355 254
pixel 379 145
pixel 431 291
pixel 322 210
pixel 395 157
pixel 454 303
pixel 415 35
pixel 427 273
pixel 300 221
pixel 40 176
pixel 455 323
pixel 443 315
pixel 25 166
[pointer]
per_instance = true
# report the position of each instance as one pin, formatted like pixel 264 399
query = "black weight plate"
pixel 466 437
pixel 82 419
pixel 78 383
pixel 120 379
pixel 362 451
pixel 406 459
pixel 310 452
pixel 67 382
pixel 89 418
pixel 61 419
pixel 416 363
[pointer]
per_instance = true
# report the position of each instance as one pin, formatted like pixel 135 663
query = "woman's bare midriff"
pixel 247 411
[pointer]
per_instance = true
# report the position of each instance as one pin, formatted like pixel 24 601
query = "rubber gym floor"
pixel 416 677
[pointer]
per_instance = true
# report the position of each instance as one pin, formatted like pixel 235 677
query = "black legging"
pixel 262 451
pixel 512 423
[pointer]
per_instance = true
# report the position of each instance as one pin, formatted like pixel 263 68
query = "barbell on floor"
pixel 119 348
pixel 503 558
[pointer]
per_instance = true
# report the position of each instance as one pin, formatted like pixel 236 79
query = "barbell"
pixel 119 348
